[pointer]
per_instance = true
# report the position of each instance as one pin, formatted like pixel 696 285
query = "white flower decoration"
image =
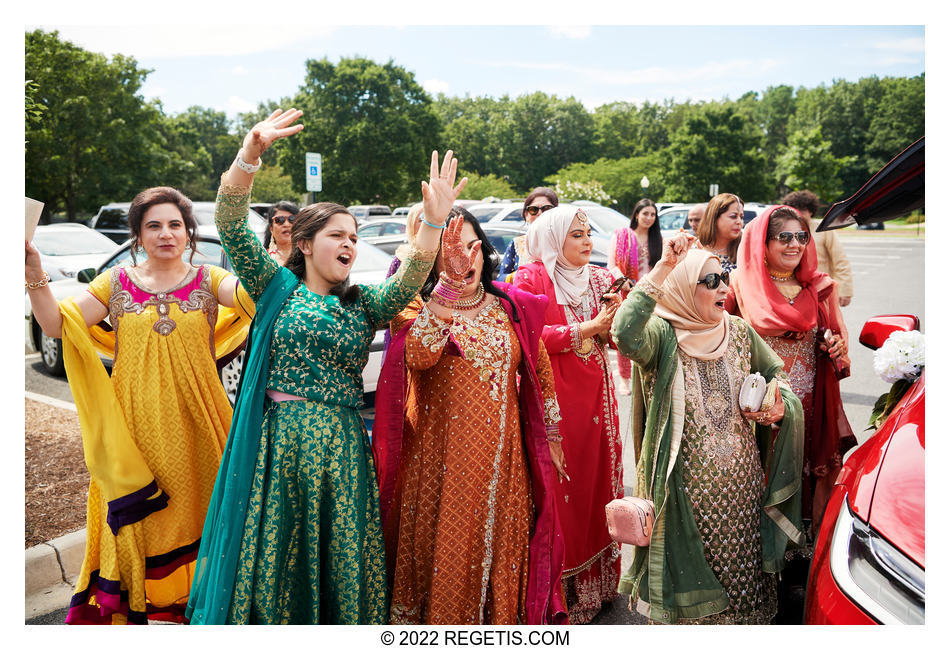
pixel 901 357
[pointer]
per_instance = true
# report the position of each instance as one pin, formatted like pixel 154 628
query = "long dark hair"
pixel 311 220
pixel 489 264
pixel 157 196
pixel 285 206
pixel 654 236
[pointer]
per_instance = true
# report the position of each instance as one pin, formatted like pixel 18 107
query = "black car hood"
pixel 896 190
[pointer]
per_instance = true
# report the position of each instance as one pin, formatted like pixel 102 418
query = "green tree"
pixel 897 120
pixel 716 145
pixel 203 140
pixel 33 111
pixel 620 178
pixel 808 164
pixel 99 140
pixel 271 185
pixel 480 187
pixel 374 125
pixel 474 129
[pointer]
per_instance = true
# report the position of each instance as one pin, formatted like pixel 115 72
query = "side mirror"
pixel 86 276
pixel 877 329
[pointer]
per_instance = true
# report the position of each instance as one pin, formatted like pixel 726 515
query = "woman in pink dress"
pixel 577 324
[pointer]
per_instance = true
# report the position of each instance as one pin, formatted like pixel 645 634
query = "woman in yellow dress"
pixel 154 434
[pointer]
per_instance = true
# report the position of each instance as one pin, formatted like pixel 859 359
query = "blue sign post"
pixel 314 164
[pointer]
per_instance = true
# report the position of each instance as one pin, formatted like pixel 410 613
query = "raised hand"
pixel 456 259
pixel 675 249
pixel 263 134
pixel 34 265
pixel 439 194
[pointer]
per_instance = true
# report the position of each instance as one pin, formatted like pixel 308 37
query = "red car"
pixel 868 566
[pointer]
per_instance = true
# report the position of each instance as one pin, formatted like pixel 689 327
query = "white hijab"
pixel 545 242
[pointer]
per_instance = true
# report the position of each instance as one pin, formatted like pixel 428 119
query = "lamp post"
pixel 644 183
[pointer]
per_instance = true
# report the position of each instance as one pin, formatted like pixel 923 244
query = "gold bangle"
pixel 39 283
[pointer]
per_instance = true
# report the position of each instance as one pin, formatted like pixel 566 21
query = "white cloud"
pixel 239 71
pixel 915 45
pixel 569 31
pixel 436 86
pixel 239 105
pixel 180 40
pixel 652 75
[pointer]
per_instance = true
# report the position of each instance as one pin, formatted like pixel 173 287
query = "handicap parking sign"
pixel 314 167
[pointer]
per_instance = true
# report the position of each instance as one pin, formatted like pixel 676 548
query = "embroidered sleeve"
pixel 635 331
pixel 426 340
pixel 552 412
pixel 383 301
pixel 250 260
pixel 560 339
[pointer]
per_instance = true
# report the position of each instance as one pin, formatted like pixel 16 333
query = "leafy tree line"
pixel 91 138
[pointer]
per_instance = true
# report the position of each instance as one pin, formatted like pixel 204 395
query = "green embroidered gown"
pixel 312 547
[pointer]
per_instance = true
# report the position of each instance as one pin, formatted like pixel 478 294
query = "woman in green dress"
pixel 293 533
pixel 727 494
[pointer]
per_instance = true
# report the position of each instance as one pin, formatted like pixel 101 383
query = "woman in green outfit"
pixel 727 494
pixel 293 532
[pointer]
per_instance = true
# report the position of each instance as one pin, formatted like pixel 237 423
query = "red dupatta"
pixel 770 314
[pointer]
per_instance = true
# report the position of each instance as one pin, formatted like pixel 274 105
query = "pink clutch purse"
pixel 630 520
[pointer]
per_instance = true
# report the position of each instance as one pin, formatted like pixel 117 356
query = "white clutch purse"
pixel 756 394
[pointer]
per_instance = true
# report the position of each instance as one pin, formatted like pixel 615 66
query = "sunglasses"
pixel 281 219
pixel 786 237
pixel 712 280
pixel 535 210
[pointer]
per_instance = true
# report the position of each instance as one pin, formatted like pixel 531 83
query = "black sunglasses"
pixel 279 220
pixel 786 236
pixel 712 280
pixel 537 209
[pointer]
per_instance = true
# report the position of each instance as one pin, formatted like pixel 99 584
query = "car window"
pixel 207 253
pixel 113 218
pixel 484 214
pixel 606 220
pixel 748 215
pixel 377 211
pixel 500 239
pixel 513 215
pixel 394 229
pixel 371 230
pixel 78 241
pixel 673 219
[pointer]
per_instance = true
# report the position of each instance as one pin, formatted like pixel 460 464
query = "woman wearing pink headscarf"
pixel 778 289
pixel 575 334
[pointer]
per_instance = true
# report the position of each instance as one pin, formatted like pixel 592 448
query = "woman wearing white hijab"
pixel 727 494
pixel 577 323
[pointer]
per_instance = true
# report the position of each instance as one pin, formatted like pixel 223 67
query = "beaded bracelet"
pixel 422 217
pixel 38 283
pixel 447 291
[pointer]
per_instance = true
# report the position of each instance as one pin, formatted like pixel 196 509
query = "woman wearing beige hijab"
pixel 727 493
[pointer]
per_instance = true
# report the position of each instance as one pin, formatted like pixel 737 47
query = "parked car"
pixel 112 220
pixel 67 248
pixel 603 220
pixel 869 560
pixel 673 218
pixel 370 268
pixel 401 212
pixel 483 212
pixel 370 212
pixel 386 234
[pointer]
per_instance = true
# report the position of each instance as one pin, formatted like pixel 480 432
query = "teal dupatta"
pixel 216 565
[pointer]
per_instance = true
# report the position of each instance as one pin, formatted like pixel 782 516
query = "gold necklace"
pixel 472 302
pixel 781 277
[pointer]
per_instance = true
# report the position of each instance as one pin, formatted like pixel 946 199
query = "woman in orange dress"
pixel 466 478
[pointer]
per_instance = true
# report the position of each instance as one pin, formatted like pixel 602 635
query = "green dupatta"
pixel 216 565
pixel 670 577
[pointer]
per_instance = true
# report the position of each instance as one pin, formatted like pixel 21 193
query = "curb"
pixel 54 562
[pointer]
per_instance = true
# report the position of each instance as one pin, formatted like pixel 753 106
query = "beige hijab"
pixel 697 338
pixel 545 242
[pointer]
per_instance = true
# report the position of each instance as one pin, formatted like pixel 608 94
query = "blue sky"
pixel 233 67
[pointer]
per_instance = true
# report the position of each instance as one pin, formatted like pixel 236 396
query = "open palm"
pixel 263 134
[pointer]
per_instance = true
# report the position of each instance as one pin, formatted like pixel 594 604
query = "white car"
pixel 112 220
pixel 370 268
pixel 67 248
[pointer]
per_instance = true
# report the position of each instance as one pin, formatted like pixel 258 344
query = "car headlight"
pixel 873 573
